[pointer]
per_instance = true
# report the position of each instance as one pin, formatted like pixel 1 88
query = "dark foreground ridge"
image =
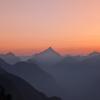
pixel 15 88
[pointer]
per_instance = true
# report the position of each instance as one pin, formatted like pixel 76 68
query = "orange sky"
pixel 69 26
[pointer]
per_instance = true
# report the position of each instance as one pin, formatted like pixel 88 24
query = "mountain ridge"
pixel 50 49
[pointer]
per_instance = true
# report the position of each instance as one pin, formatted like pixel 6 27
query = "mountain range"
pixel 10 58
pixel 70 77
pixel 35 76
pixel 80 79
pixel 15 88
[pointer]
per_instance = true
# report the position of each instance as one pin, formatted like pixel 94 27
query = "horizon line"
pixel 72 52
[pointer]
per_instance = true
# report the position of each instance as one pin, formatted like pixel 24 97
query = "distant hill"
pixel 10 58
pixel 80 79
pixel 24 58
pixel 35 76
pixel 94 53
pixel 17 89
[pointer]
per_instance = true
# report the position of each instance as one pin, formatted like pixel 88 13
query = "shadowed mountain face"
pixel 46 58
pixel 14 88
pixel 78 76
pixel 80 79
pixel 10 58
pixel 35 76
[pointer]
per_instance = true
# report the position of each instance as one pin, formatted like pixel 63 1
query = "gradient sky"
pixel 70 26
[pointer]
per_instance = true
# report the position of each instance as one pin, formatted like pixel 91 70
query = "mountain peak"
pixel 49 52
pixel 94 53
pixel 50 49
pixel 47 57
pixel 10 54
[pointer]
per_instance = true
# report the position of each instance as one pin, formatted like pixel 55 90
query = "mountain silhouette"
pixel 46 58
pixel 35 76
pixel 95 53
pixel 10 58
pixel 80 79
pixel 70 77
pixel 24 58
pixel 49 51
pixel 14 88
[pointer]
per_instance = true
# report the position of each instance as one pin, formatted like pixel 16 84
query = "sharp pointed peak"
pixel 50 48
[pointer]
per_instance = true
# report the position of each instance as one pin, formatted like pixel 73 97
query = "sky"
pixel 69 26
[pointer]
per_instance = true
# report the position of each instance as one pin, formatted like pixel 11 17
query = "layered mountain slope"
pixel 80 79
pixel 35 76
pixel 18 89
pixel 10 58
pixel 46 58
